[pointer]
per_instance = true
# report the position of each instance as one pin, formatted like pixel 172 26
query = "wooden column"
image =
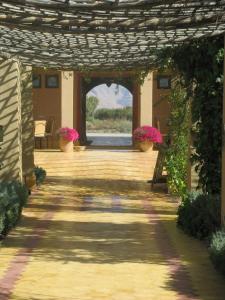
pixel 223 152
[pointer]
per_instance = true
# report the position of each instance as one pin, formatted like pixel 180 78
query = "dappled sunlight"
pixel 99 164
pixel 102 238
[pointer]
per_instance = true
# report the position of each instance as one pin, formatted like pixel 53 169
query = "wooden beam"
pixel 223 151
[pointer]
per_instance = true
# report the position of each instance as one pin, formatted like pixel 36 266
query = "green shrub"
pixel 91 105
pixel 199 214
pixel 40 175
pixel 13 197
pixel 217 251
pixel 111 126
pixel 125 113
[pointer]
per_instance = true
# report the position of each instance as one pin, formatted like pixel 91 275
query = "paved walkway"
pixel 94 231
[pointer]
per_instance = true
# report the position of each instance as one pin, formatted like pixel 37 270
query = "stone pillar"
pixel 27 121
pixel 10 120
pixel 67 110
pixel 146 100
pixel 223 153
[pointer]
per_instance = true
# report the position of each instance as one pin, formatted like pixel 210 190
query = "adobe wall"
pixel 64 103
pixel 27 121
pixel 161 108
pixel 67 94
pixel 16 119
pixel 146 100
pixel 10 119
pixel 47 103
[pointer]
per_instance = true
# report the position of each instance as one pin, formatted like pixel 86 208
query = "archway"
pixel 126 84
pixel 109 115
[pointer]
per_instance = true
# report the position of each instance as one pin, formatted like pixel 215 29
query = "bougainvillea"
pixel 147 133
pixel 69 134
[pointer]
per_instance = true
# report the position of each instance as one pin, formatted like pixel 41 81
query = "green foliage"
pixel 178 135
pixel 110 120
pixel 91 105
pixel 13 197
pixel 40 175
pixel 125 113
pixel 199 214
pixel 217 251
pixel 112 126
pixel 201 67
pixel 140 75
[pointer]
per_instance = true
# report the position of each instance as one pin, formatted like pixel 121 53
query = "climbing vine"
pixel 178 135
pixel 201 66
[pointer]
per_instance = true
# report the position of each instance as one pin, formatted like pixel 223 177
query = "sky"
pixel 115 96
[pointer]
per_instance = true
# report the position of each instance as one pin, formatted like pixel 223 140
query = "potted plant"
pixel 67 136
pixel 40 175
pixel 145 136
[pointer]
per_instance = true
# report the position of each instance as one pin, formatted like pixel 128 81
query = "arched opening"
pixel 122 89
pixel 109 115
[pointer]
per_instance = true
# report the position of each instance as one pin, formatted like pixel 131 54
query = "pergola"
pixel 104 34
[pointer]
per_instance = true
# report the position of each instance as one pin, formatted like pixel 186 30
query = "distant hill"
pixel 115 96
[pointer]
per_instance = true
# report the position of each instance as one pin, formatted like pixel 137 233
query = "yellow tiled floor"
pixel 95 231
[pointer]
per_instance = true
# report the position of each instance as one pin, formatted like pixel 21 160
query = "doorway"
pixel 109 111
pixel 109 115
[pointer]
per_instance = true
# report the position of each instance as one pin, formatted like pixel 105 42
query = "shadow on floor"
pixel 109 238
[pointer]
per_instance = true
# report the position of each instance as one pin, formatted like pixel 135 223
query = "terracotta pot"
pixel 144 146
pixel 64 145
pixel 79 148
pixel 30 181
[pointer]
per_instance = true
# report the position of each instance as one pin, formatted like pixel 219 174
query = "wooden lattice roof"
pixel 102 34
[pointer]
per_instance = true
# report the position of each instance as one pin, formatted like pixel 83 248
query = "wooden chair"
pixel 159 176
pixel 44 130
pixel 39 130
pixel 49 129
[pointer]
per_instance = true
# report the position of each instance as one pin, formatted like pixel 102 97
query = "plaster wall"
pixel 47 102
pixel 10 119
pixel 64 103
pixel 67 111
pixel 146 98
pixel 27 121
pixel 161 108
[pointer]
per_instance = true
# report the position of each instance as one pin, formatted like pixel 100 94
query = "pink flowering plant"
pixel 69 134
pixel 147 133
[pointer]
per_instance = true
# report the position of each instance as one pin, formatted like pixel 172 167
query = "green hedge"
pixel 199 214
pixel 13 197
pixel 114 113
pixel 217 251
pixel 40 175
